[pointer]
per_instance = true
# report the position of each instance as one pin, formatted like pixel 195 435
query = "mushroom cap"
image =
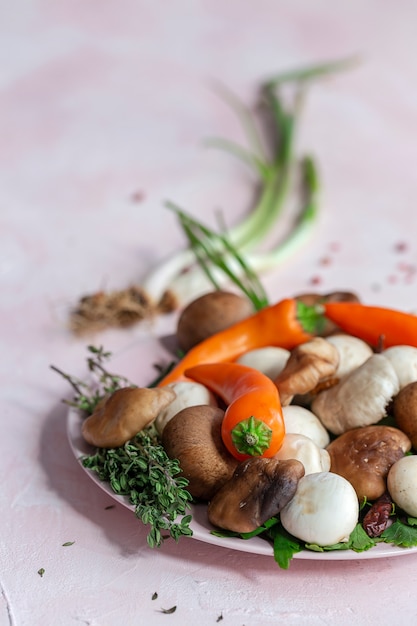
pixel 359 398
pixel 209 314
pixel 193 436
pixel 405 411
pixel 257 491
pixel 402 484
pixel 365 455
pixel 270 360
pixel 353 352
pixel 187 393
pixel 120 416
pixel 323 511
pixel 299 420
pixel 404 361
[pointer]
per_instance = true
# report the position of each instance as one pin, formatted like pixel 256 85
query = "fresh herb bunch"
pixel 140 470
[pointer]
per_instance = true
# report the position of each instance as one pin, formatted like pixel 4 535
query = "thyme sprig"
pixel 88 395
pixel 140 470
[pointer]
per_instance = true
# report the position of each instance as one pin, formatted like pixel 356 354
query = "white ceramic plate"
pixel 202 529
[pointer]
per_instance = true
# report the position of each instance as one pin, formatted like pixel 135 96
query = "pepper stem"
pixel 311 317
pixel 251 436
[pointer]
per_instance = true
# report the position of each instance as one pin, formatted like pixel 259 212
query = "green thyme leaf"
pixel 142 471
pixel 168 611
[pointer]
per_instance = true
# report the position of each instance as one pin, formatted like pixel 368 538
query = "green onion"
pixel 195 270
pixel 214 250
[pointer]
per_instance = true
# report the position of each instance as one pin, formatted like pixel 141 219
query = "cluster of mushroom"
pixel 349 389
pixel 335 390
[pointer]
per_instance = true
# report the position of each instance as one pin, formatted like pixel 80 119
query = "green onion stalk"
pixel 237 255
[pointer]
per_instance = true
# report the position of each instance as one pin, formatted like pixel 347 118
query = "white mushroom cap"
pixel 303 449
pixel 324 510
pixel 404 360
pixel 402 484
pixel 187 394
pixel 301 421
pixel 270 361
pixel 359 398
pixel 353 352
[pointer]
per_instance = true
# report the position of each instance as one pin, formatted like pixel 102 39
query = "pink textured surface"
pixel 102 100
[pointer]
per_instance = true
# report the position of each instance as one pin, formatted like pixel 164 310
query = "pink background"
pixel 103 100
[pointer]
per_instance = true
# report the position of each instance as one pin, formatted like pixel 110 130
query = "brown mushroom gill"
pixel 258 490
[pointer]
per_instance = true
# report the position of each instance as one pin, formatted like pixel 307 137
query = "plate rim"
pixel 202 529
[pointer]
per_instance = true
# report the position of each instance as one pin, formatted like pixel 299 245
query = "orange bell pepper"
pixel 253 424
pixel 275 325
pixel 375 325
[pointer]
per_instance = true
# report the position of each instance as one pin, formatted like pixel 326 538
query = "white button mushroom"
pixel 301 421
pixel 324 510
pixel 359 398
pixel 353 352
pixel 303 449
pixel 402 484
pixel 404 360
pixel 187 394
pixel 270 361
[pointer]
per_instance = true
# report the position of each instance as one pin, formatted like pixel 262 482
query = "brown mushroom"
pixel 365 455
pixel 120 416
pixel 309 364
pixel 258 490
pixel 193 436
pixel 209 314
pixel 405 411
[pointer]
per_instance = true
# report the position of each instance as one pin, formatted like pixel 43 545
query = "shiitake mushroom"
pixel 365 455
pixel 258 490
pixel 193 436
